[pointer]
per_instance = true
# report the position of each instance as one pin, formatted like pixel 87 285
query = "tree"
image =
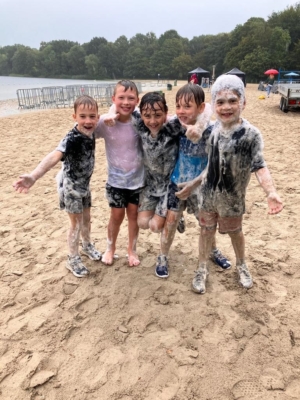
pixel 76 61
pixel 24 61
pixel 181 65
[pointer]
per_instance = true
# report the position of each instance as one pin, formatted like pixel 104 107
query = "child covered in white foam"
pixel 235 150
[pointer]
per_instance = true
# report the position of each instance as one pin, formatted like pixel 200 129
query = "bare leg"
pixel 150 220
pixel 74 233
pixel 115 221
pixel 86 227
pixel 238 243
pixel 133 232
pixel 206 239
pixel 169 230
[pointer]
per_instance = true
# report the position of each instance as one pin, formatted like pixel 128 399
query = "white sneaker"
pixel 90 251
pixel 245 276
pixel 199 281
pixel 74 264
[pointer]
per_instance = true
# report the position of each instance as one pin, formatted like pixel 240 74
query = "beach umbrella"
pixel 291 74
pixel 271 72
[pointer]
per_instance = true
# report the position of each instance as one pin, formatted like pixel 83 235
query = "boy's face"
pixel 228 107
pixel 188 111
pixel 125 102
pixel 86 118
pixel 154 118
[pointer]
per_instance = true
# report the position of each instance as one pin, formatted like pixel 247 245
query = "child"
pixel 125 170
pixel 160 142
pixel 190 110
pixel 77 151
pixel 235 150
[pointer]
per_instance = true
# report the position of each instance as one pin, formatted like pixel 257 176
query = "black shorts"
pixel 120 198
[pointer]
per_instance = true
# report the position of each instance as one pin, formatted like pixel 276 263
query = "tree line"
pixel 253 47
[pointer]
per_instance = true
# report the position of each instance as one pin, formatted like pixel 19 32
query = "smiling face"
pixel 125 102
pixel 87 118
pixel 154 116
pixel 228 107
pixel 187 110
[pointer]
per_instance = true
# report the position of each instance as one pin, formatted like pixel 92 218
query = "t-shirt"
pixel 78 160
pixel 123 154
pixel 232 157
pixel 160 154
pixel 192 158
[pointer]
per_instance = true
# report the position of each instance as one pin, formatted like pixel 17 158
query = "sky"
pixel 31 22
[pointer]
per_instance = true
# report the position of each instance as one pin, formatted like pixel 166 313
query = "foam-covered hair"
pixel 228 82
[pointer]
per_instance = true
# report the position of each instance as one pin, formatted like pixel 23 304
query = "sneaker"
pixel 161 269
pixel 199 280
pixel 245 276
pixel 90 251
pixel 181 225
pixel 218 258
pixel 74 264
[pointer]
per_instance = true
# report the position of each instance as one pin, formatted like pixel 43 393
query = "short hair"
pixel 228 82
pixel 85 100
pixel 127 84
pixel 149 99
pixel 189 92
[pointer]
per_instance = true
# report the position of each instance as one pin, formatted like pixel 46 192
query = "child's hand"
pixel 274 203
pixel 110 119
pixel 192 132
pixel 24 183
pixel 186 190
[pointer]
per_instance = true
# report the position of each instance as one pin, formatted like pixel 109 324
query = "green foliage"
pixel 253 47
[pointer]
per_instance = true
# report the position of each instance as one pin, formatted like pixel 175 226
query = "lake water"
pixel 9 84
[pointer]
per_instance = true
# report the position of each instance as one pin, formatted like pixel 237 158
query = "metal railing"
pixel 64 96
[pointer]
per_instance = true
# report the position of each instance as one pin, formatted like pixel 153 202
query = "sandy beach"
pixel 122 333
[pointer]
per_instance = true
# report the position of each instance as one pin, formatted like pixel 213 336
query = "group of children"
pixel 159 166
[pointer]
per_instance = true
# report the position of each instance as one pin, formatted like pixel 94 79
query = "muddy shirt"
pixel 159 154
pixel 232 157
pixel 78 162
pixel 192 158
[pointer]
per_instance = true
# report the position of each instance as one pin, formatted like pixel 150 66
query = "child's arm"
pixel 27 180
pixel 265 180
pixel 188 187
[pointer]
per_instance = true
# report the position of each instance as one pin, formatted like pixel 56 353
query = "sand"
pixel 122 333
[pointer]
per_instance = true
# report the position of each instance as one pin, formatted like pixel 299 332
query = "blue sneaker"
pixel 161 269
pixel 218 258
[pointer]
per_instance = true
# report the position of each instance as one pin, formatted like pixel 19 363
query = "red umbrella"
pixel 271 72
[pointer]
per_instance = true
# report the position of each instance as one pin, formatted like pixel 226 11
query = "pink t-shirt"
pixel 123 153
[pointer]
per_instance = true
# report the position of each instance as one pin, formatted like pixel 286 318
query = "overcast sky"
pixel 30 22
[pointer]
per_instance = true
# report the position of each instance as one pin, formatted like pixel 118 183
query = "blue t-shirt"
pixel 192 158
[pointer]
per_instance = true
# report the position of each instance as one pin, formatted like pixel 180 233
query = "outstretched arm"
pixel 188 187
pixel 27 180
pixel 266 182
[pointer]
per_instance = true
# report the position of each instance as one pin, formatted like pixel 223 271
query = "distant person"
pixel 77 152
pixel 234 152
pixel 194 79
pixel 125 171
pixel 269 84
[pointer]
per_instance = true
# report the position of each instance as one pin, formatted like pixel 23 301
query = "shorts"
pixel 158 204
pixel 210 220
pixel 74 202
pixel 191 204
pixel 120 198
